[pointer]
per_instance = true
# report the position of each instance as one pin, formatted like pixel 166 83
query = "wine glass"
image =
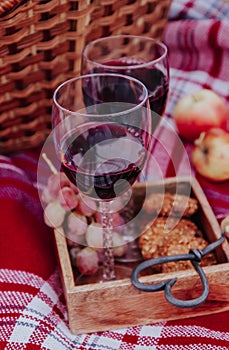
pixel 101 130
pixel 145 59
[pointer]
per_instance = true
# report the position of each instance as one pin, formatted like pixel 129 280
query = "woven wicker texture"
pixel 40 46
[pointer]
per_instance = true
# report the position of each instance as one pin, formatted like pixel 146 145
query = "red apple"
pixel 200 111
pixel 210 155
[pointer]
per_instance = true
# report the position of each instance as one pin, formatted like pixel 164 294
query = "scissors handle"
pixel 194 256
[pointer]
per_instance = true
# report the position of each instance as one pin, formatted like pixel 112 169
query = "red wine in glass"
pixel 104 160
pixel 153 78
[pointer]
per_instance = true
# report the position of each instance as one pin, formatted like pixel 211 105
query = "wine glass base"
pixel 121 272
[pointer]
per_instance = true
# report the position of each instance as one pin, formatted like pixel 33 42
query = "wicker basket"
pixel 40 46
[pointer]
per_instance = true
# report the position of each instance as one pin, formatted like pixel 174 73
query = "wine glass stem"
pixel 108 254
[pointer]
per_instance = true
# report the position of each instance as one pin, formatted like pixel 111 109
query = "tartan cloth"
pixel 32 308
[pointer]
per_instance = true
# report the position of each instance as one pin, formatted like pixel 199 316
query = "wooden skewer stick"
pixel 50 164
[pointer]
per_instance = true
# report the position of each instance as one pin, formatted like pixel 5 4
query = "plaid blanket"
pixel 32 308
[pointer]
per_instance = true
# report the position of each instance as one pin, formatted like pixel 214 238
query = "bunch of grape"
pixel 81 222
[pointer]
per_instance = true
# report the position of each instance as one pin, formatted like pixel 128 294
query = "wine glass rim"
pixel 129 110
pixel 132 66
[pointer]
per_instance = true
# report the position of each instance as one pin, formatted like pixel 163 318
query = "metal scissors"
pixel 194 256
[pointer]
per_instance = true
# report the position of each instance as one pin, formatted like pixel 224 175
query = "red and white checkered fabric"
pixel 32 308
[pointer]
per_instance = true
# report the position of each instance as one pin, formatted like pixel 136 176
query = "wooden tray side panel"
pixel 209 223
pixel 123 305
pixel 65 267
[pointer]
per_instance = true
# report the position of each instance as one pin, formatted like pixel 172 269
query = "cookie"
pixel 167 236
pixel 169 204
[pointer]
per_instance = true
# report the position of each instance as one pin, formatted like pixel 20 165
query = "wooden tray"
pixel 118 304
